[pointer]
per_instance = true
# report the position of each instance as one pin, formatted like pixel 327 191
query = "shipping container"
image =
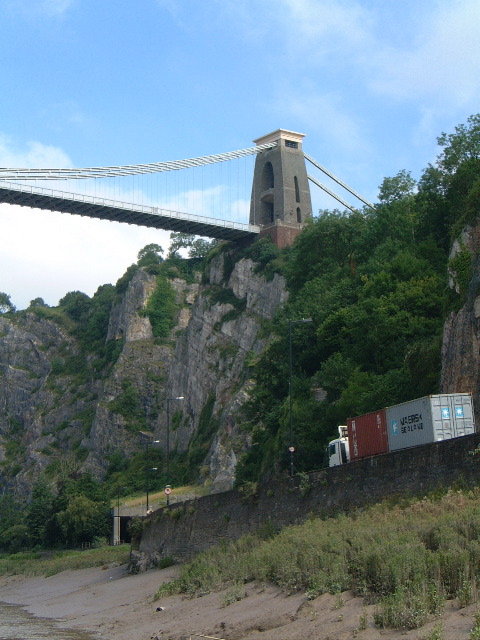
pixel 429 419
pixel 367 435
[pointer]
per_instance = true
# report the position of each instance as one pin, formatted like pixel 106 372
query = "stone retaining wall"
pixel 181 530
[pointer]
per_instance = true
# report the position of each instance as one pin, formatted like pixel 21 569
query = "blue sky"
pixel 371 83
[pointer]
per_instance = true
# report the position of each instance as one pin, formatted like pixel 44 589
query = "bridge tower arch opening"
pixel 280 202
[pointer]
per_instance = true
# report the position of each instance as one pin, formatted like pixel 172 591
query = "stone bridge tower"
pixel 280 201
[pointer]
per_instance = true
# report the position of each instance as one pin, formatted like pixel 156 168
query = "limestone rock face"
pixel 48 417
pixel 35 406
pixel 461 337
pixel 210 360
pixel 125 321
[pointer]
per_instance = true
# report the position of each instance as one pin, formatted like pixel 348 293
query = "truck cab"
pixel 338 450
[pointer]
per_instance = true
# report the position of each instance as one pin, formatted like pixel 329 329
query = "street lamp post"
pixel 147 478
pixel 167 486
pixel 291 447
pixel 116 521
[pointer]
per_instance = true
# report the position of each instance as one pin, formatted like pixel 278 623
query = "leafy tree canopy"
pixel 197 247
pixel 400 186
pixel 374 283
pixel 76 304
pixel 150 254
pixel 461 146
pixel 5 303
pixel 179 240
pixel 200 248
pixel 37 302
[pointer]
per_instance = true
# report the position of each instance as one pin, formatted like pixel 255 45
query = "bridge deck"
pixel 141 215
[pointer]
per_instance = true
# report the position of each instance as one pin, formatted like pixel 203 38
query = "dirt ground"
pixel 117 606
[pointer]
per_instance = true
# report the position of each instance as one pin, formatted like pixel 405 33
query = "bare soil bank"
pixel 117 606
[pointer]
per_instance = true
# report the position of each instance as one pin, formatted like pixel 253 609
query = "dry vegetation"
pixel 158 499
pixel 48 563
pixel 408 559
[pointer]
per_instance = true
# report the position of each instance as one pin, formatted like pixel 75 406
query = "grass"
pixel 48 563
pixel 407 559
pixel 475 632
pixel 159 499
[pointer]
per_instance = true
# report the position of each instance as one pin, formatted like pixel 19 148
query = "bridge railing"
pixel 127 206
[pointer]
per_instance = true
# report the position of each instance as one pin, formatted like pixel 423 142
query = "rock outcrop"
pixel 51 420
pixel 461 336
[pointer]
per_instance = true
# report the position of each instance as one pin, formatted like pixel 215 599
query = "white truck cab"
pixel 338 450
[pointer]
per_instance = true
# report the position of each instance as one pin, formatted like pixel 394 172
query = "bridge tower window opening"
pixel 297 190
pixel 299 215
pixel 292 144
pixel 268 179
pixel 267 212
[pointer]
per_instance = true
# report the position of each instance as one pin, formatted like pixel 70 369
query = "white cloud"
pixel 306 30
pixel 46 254
pixel 55 7
pixel 33 155
pixel 441 63
pixel 425 132
pixel 327 116
pixel 429 53
pixel 62 115
pixel 324 27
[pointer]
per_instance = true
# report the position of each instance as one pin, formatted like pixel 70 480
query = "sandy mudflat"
pixel 117 606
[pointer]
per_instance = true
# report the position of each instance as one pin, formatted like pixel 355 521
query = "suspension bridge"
pixel 275 198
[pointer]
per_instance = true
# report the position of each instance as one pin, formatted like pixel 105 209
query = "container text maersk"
pixel 410 424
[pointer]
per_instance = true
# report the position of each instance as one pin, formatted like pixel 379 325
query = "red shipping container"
pixel 367 435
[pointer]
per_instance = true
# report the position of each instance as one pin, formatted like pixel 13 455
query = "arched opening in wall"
pixel 267 176
pixel 297 190
pixel 299 215
pixel 267 212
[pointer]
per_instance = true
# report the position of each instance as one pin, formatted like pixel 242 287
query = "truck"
pixel 409 424
pixel 338 450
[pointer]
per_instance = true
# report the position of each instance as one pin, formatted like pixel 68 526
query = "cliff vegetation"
pixel 379 285
pixel 182 367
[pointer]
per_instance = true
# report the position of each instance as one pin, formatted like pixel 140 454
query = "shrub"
pixel 407 560
pixel 161 308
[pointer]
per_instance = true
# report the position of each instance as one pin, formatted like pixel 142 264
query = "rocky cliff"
pixel 461 336
pixel 52 420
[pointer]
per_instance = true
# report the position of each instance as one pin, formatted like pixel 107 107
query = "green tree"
pixel 11 515
pixel 76 304
pixel 128 405
pixel 397 188
pixel 161 308
pixel 15 538
pixel 149 255
pixel 434 214
pixel 82 520
pixel 39 511
pixel 461 146
pixel 179 240
pixel 5 303
pixel 330 244
pixel 123 282
pixel 443 200
pixel 37 302
pixel 199 248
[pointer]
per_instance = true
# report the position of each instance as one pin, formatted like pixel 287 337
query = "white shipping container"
pixel 429 419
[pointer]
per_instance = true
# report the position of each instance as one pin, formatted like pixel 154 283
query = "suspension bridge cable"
pixel 135 169
pixel 330 193
pixel 338 181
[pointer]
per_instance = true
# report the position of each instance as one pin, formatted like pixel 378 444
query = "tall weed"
pixel 407 559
